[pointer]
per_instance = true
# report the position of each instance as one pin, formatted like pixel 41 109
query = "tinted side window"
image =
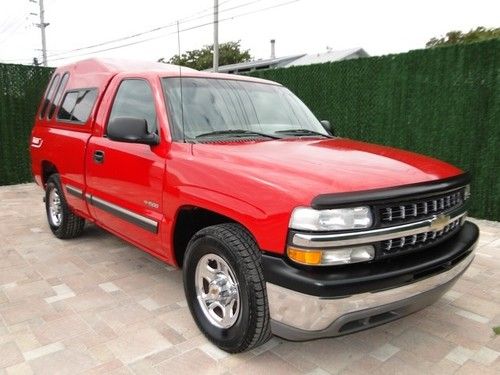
pixel 58 95
pixel 135 99
pixel 67 106
pixel 50 95
pixel 84 104
pixel 77 105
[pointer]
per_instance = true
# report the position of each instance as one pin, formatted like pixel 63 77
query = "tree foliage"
pixel 458 37
pixel 200 59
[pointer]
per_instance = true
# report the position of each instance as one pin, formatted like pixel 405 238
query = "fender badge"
pixel 439 222
pixel 36 142
pixel 151 204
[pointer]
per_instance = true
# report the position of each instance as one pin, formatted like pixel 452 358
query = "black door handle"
pixel 98 156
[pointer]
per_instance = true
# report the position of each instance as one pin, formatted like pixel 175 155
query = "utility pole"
pixel 216 35
pixel 42 25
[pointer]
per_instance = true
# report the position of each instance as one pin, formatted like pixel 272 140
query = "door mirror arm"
pixel 328 127
pixel 151 139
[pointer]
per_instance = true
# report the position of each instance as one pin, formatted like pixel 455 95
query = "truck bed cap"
pixel 110 65
pixel 96 72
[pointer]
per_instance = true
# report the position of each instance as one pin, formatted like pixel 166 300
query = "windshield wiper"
pixel 236 133
pixel 300 132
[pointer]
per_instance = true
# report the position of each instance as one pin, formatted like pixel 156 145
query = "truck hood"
pixel 302 168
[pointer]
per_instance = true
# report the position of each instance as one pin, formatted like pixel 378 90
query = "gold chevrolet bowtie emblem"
pixel 439 222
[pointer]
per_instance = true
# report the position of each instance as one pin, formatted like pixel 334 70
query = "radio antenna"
pixel 180 81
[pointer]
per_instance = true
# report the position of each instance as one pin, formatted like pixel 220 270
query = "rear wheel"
pixel 62 221
pixel 225 287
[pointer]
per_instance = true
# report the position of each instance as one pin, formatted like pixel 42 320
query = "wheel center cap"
pixel 222 289
pixel 214 291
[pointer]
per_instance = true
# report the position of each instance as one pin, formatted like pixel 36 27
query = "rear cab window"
pixel 77 106
pixel 57 96
pixel 49 95
pixel 53 95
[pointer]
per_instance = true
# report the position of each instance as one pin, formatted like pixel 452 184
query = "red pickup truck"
pixel 280 226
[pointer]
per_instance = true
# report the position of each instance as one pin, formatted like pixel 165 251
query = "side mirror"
pixel 131 130
pixel 328 127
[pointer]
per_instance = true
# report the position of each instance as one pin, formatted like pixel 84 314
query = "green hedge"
pixel 443 102
pixel 21 88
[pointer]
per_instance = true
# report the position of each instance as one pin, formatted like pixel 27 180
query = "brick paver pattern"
pixel 99 305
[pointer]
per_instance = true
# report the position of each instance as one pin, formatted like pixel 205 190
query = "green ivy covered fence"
pixel 21 87
pixel 443 102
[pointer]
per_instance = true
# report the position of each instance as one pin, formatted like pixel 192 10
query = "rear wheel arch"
pixel 48 169
pixel 63 222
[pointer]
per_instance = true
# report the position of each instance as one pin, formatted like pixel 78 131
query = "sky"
pixel 298 26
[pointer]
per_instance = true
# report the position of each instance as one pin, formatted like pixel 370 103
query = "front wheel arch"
pixel 189 220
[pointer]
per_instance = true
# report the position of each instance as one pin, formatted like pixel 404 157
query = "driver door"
pixel 125 180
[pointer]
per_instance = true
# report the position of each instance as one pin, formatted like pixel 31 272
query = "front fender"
pixel 269 229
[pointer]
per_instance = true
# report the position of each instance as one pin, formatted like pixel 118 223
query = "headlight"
pixel 306 218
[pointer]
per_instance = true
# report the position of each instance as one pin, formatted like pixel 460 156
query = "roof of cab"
pixel 102 69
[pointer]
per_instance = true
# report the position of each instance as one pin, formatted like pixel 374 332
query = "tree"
pixel 458 37
pixel 200 59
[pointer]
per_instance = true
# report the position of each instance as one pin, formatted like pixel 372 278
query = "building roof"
pixel 256 64
pixel 329 56
pixel 294 60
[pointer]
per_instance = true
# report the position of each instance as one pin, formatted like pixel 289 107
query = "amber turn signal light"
pixel 308 257
pixel 330 257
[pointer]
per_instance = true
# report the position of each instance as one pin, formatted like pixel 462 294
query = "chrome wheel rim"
pixel 217 291
pixel 55 207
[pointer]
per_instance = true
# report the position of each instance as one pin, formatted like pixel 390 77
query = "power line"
pixel 6 24
pixel 186 19
pixel 10 26
pixel 183 30
pixel 64 52
pixel 182 20
pixel 169 25
pixel 132 43
pixel 172 33
pixel 10 30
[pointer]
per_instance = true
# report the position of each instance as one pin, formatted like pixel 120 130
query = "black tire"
pixel 239 250
pixel 70 225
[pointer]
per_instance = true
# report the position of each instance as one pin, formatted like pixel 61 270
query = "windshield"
pixel 224 106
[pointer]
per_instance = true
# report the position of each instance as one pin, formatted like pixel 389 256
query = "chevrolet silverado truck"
pixel 279 225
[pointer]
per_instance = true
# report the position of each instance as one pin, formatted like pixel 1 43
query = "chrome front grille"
pixel 416 210
pixel 396 245
pixel 422 208
pixel 405 222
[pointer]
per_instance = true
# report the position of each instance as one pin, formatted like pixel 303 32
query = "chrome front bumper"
pixel 297 316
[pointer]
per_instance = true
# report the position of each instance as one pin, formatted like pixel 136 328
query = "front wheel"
pixel 225 287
